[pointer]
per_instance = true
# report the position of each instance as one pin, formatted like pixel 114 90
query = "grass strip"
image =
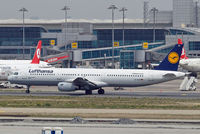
pixel 99 102
pixel 107 115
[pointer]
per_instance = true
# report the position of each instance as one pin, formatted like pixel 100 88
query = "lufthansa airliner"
pixel 96 79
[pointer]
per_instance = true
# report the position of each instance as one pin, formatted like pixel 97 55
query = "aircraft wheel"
pixel 193 74
pixel 88 92
pixel 27 91
pixel 101 91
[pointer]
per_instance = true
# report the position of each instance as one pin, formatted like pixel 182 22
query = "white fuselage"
pixel 19 62
pixel 192 65
pixel 8 66
pixel 100 77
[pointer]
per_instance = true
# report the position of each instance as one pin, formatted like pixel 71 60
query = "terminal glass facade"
pixel 13 36
pixel 89 54
pixel 180 32
pixel 14 51
pixel 85 44
pixel 127 60
pixel 131 36
pixel 194 45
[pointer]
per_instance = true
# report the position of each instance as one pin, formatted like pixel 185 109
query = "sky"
pixel 79 9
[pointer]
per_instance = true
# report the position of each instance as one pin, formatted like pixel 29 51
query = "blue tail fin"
pixel 171 61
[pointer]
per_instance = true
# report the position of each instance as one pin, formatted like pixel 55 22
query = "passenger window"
pixel 16 73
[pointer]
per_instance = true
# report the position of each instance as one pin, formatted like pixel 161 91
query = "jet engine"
pixel 4 75
pixel 66 87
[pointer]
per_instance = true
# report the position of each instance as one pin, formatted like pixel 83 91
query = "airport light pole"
pixel 123 10
pixel 112 7
pixel 197 12
pixel 65 9
pixel 154 10
pixel 23 10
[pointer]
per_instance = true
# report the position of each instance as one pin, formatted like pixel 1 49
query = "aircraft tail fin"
pixel 171 61
pixel 183 54
pixel 36 58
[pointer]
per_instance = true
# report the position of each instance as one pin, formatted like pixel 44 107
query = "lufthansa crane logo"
pixel 173 57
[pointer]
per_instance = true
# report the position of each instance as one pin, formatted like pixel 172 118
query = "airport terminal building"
pixel 90 43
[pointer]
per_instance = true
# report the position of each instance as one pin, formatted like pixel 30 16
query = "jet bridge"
pixel 158 53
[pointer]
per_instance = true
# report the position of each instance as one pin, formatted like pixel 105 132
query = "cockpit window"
pixel 16 73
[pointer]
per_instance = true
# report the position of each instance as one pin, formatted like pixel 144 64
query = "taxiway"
pixel 167 89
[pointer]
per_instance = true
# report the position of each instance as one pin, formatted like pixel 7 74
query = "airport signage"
pixel 145 45
pixel 74 45
pixel 52 42
pixel 116 44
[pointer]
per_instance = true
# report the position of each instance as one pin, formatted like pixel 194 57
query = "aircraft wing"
pixel 169 75
pixel 86 84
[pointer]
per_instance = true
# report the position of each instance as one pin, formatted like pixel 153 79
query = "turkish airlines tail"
pixel 183 55
pixel 36 58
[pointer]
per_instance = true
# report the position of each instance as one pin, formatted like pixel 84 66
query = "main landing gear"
pixel 101 91
pixel 89 92
pixel 27 90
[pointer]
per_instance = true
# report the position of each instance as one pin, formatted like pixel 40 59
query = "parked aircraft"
pixel 96 79
pixel 8 66
pixel 35 60
pixel 192 65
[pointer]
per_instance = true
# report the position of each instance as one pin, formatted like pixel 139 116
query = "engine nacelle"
pixel 4 74
pixel 66 87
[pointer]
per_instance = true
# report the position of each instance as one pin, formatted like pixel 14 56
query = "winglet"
pixel 36 58
pixel 171 61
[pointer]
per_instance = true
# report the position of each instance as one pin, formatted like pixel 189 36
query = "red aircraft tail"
pixel 183 54
pixel 36 58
